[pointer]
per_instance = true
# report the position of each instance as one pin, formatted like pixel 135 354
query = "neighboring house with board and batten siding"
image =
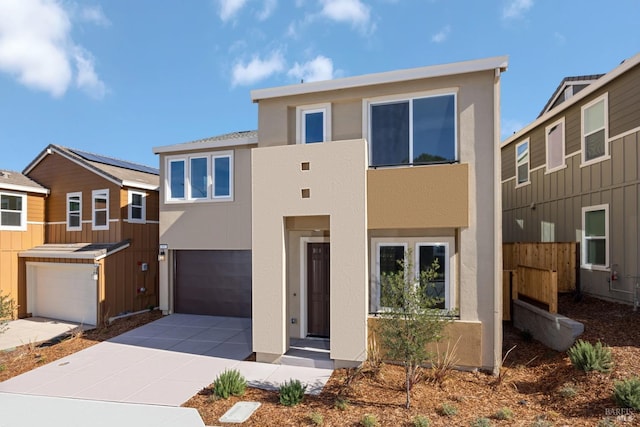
pixel 573 175
pixel 97 254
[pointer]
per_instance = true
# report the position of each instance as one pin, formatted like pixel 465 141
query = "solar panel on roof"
pixel 115 162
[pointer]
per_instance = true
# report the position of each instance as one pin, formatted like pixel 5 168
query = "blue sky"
pixel 122 76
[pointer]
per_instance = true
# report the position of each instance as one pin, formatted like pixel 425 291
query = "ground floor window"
pixel 427 253
pixel 595 237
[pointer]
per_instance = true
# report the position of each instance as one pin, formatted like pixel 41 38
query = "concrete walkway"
pixel 34 330
pixel 165 362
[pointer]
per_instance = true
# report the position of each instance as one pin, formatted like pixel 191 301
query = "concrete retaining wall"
pixel 553 330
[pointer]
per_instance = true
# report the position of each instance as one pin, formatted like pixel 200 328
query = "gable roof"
pixel 120 172
pixel 494 63
pixel 625 66
pixel 16 181
pixel 231 139
pixel 579 81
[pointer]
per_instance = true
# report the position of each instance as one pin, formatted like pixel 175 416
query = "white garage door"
pixel 62 291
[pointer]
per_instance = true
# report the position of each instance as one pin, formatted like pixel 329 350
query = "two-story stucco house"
pixel 572 175
pixel 295 224
pixel 98 254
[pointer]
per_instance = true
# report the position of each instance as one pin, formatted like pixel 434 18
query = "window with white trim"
pixel 200 178
pixel 137 206
pixel 522 163
pixel 595 124
pixel 13 212
pixel 313 123
pixel 554 135
pixel 391 252
pixel 74 211
pixel 413 130
pixel 595 237
pixel 100 209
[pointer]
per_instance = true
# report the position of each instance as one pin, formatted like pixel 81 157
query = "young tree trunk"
pixel 408 385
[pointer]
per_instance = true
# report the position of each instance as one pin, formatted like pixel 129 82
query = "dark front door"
pixel 318 289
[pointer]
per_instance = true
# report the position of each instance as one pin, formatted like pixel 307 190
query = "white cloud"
pixel 95 15
pixel 257 69
pixel 319 68
pixel 516 8
pixel 350 11
pixel 442 35
pixel 267 9
pixel 36 47
pixel 228 8
pixel 87 79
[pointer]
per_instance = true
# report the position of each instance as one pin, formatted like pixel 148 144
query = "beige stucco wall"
pixel 210 225
pixel 418 197
pixel 336 181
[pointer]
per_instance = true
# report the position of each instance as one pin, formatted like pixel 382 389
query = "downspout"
pixel 497 226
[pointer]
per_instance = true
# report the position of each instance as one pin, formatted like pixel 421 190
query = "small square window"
pixel 304 166
pixel 306 193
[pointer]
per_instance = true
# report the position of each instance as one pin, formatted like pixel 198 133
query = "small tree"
pixel 411 319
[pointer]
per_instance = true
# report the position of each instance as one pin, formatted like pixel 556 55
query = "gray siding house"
pixel 573 176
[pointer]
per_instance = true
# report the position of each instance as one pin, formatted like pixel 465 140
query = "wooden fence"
pixel 560 257
pixel 533 283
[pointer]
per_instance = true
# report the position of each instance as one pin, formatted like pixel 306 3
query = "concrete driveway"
pixel 165 362
pixel 34 330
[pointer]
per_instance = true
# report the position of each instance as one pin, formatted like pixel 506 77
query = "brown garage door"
pixel 214 283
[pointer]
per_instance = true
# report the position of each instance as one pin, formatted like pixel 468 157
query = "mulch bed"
pixel 534 384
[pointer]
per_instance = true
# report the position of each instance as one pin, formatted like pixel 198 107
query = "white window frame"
pixel 546 137
pixel 583 260
pixel 301 113
pixel 447 267
pixel 219 155
pixel 23 212
pixel 143 207
pixel 369 102
pixel 79 227
pixel 528 181
pixel 169 161
pixel 583 136
pixel 94 195
pixel 211 197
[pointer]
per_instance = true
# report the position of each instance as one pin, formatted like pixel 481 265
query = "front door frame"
pixel 303 279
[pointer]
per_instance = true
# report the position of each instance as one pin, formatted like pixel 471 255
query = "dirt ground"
pixel 538 385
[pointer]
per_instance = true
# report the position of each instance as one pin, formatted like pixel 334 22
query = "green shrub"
pixel 504 414
pixel 448 409
pixel 421 421
pixel 369 420
pixel 627 393
pixel 316 418
pixel 568 391
pixel 588 357
pixel 481 422
pixel 606 422
pixel 229 383
pixel 292 392
pixel 341 403
pixel 541 422
pixel 7 307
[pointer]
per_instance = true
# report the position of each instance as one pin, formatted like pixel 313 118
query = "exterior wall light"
pixel 162 253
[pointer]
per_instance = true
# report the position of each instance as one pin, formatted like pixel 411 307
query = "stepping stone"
pixel 240 412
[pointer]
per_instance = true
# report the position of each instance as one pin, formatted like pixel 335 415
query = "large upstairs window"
pixel 413 130
pixel 202 177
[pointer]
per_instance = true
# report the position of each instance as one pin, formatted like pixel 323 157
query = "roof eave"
pixel 485 64
pixel 597 84
pixel 205 145
pixel 24 188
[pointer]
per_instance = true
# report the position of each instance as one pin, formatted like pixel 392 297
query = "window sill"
pixel 523 184
pixel 197 201
pixel 392 165
pixel 557 169
pixel 594 161
pixel 590 267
